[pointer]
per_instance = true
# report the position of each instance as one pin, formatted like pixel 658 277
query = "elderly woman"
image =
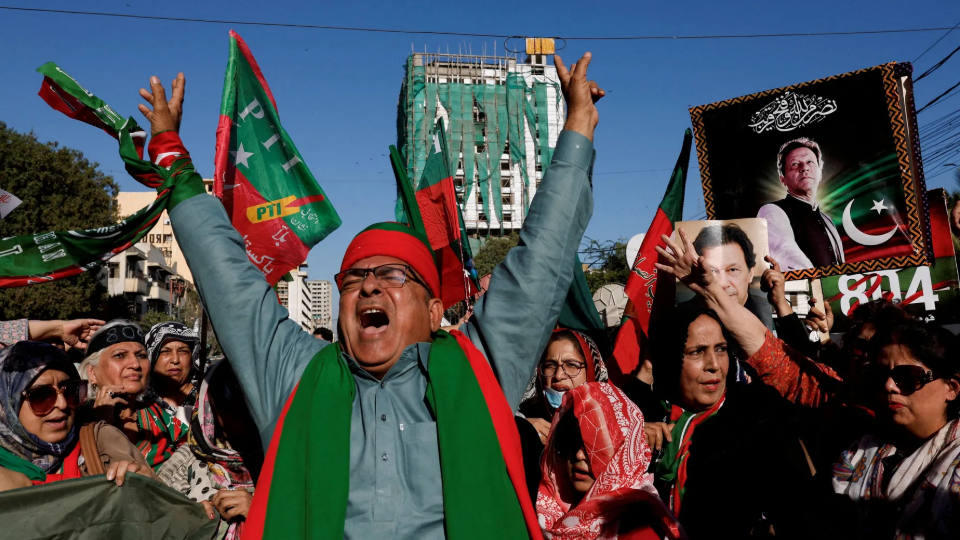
pixel 220 465
pixel 595 482
pixel 174 351
pixel 713 472
pixel 40 390
pixel 118 369
pixel 569 360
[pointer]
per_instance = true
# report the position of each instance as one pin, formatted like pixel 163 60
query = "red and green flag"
pixel 47 256
pixel 641 286
pixel 272 198
pixel 433 210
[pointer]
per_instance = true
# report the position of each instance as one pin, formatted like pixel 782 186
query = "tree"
pixel 60 190
pixel 493 252
pixel 153 317
pixel 607 262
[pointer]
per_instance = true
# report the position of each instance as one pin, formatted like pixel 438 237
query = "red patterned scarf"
pixel 612 430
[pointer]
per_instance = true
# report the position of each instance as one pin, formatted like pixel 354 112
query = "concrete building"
pixel 321 308
pixel 162 233
pixel 502 119
pixel 142 275
pixel 295 296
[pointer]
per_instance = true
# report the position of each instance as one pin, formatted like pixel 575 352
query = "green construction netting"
pixel 510 111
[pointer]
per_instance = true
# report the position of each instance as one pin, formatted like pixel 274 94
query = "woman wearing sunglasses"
pixel 40 390
pixel 904 480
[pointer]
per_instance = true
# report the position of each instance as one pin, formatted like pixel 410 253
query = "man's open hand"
pixel 581 95
pixel 166 115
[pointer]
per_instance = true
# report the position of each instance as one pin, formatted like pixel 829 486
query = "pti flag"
pixel 8 201
pixel 433 209
pixel 47 256
pixel 273 200
pixel 641 286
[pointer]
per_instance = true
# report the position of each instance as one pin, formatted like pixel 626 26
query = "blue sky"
pixel 337 91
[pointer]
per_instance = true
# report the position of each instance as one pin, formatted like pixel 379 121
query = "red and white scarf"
pixel 612 430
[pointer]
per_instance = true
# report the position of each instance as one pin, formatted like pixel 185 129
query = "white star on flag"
pixel 239 156
pixel 878 206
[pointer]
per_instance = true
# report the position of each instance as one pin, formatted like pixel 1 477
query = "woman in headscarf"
pixel 595 481
pixel 174 351
pixel 716 473
pixel 40 391
pixel 570 359
pixel 118 368
pixel 220 464
pixel 903 480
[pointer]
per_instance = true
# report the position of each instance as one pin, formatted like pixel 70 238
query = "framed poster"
pixel 931 293
pixel 830 164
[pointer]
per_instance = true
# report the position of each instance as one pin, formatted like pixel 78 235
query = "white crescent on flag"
pixel 861 237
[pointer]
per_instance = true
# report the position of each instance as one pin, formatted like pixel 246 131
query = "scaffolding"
pixel 503 119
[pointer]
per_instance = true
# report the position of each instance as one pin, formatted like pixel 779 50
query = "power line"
pixel 630 172
pixel 937 65
pixel 935 43
pixel 467 34
pixel 936 99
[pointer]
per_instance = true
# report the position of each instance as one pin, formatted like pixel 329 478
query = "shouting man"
pixel 398 430
pixel 801 236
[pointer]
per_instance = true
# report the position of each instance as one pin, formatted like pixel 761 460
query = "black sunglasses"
pixel 908 378
pixel 43 399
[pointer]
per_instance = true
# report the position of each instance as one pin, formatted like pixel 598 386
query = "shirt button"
pixel 382 384
pixel 384 457
pixel 383 417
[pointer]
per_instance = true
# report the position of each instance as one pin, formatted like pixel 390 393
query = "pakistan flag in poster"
pixel 928 292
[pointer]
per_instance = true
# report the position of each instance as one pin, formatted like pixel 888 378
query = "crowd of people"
pixel 736 425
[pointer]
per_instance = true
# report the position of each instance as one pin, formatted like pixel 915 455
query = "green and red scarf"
pixel 160 434
pixel 672 469
pixel 480 462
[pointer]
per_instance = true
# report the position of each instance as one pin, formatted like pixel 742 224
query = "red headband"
pixel 395 240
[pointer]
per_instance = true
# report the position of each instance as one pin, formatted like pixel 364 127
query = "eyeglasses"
pixel 388 276
pixel 908 378
pixel 43 399
pixel 572 369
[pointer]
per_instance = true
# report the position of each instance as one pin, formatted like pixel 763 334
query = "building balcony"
pixel 159 292
pixel 135 285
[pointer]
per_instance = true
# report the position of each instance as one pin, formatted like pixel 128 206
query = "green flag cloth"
pixel 92 508
pixel 434 211
pixel 46 256
pixel 579 312
pixel 273 199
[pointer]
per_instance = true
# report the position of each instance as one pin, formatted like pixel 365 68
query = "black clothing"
pixel 811 232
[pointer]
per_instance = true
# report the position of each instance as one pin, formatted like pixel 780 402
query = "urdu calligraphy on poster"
pixel 791 111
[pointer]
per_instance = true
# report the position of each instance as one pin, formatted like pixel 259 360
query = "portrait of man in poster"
pixel 827 164
pixel 801 235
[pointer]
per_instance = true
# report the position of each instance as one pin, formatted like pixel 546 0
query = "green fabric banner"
pixel 92 508
pixel 48 256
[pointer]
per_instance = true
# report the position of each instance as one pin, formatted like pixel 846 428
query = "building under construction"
pixel 502 121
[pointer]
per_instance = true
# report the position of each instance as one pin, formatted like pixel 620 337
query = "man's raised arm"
pixel 513 320
pixel 267 350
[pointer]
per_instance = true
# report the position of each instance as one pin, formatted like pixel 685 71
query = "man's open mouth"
pixel 373 320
